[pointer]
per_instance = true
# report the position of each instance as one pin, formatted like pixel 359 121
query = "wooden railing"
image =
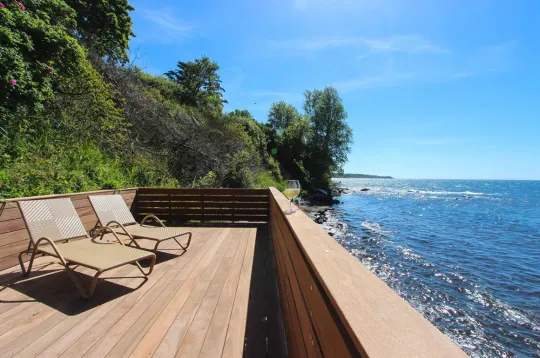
pixel 333 306
pixel 179 205
pixel 14 237
pixel 204 205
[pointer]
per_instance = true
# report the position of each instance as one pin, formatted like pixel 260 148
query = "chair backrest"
pixel 56 219
pixel 111 208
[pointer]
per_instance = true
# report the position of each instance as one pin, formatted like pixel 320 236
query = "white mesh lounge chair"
pixel 51 223
pixel 113 212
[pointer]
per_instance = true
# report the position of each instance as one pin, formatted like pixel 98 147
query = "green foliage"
pixel 310 147
pixel 104 26
pixel 76 119
pixel 239 174
pixel 62 170
pixel 200 84
pixel 267 179
pixel 329 127
pixel 210 180
pixel 36 51
pixel 282 115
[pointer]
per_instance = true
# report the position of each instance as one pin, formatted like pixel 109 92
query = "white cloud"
pixel 410 44
pixel 381 80
pixel 167 22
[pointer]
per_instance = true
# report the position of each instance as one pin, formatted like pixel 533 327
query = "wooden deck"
pixel 196 304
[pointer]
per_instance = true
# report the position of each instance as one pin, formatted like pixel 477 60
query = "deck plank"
pixel 195 304
pixel 137 331
pixel 133 322
pixel 212 343
pixel 33 331
pixel 198 285
pixel 234 347
pixel 195 337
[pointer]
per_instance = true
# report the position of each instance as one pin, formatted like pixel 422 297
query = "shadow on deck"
pixel 220 298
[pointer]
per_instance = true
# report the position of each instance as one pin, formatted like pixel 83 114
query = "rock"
pixel 365 189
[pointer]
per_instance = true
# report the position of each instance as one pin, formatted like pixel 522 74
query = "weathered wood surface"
pixel 191 305
pixel 14 237
pixel 204 205
pixel 333 306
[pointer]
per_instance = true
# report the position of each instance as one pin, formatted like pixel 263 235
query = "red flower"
pixel 2 5
pixel 48 69
pixel 21 5
pixel 13 82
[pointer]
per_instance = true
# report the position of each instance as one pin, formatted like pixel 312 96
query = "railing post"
pixel 170 208
pixel 203 209
pixel 135 205
pixel 234 207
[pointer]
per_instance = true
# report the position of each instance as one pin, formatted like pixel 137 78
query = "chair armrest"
pixel 53 245
pixel 120 226
pixel 104 229
pixel 152 217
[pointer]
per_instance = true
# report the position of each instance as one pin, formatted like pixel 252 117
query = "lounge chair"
pixel 51 223
pixel 113 212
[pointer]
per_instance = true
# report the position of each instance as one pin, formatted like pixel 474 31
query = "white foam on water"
pixel 375 227
pixel 432 194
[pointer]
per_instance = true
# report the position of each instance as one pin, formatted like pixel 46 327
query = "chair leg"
pixel 27 251
pixel 73 277
pixel 188 243
pixel 150 269
pixel 93 284
pixel 26 272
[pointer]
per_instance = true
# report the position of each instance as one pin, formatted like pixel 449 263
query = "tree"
pixel 201 84
pixel 36 51
pixel 282 115
pixel 104 26
pixel 331 137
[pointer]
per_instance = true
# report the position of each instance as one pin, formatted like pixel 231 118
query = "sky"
pixel 439 89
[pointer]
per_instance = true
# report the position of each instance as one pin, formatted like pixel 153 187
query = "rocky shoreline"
pixel 319 205
pixel 317 213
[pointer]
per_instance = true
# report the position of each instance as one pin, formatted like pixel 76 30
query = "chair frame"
pixel 34 249
pixel 134 238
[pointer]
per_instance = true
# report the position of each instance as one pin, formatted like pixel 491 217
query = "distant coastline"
pixel 361 176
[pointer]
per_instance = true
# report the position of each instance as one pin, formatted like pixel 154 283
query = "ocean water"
pixel 464 253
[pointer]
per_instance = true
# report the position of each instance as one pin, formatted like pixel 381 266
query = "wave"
pixel 385 192
pixel 469 318
pixel 364 190
pixel 374 227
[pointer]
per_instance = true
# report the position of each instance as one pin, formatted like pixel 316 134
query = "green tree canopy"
pixel 36 51
pixel 201 84
pixel 282 115
pixel 331 137
pixel 104 26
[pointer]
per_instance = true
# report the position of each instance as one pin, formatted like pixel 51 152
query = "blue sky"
pixel 433 89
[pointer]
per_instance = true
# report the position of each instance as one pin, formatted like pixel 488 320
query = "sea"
pixel 463 253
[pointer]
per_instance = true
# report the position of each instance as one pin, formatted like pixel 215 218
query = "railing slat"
pixel 205 205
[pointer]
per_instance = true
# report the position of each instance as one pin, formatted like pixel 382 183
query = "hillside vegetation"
pixel 76 116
